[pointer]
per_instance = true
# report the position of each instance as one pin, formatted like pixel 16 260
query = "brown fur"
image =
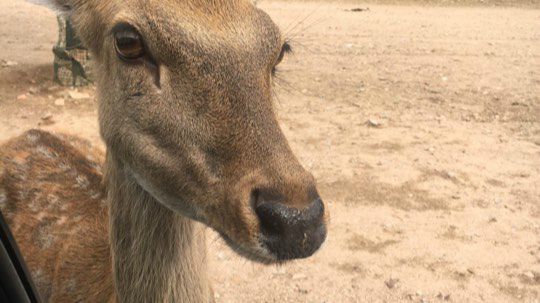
pixel 188 139
pixel 54 203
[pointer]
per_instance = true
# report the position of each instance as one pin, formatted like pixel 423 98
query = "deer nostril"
pixel 288 231
pixel 272 218
pixel 271 212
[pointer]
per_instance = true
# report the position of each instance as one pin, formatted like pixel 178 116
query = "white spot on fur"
pixel 32 137
pixel 53 199
pixel 64 166
pixel 40 216
pixel 34 205
pixel 38 276
pixel 3 199
pixel 72 285
pixel 21 163
pixel 46 152
pixel 54 203
pixel 82 181
pixel 45 237
pixel 62 220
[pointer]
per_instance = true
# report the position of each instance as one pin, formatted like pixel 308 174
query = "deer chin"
pixel 256 253
pixel 269 250
pixel 170 202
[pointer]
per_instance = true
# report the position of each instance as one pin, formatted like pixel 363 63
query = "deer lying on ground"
pixel 185 111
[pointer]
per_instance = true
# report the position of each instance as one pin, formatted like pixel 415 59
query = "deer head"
pixel 185 106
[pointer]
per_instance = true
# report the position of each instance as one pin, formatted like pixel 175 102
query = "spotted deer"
pixel 192 141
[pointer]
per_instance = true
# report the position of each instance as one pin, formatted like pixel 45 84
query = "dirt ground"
pixel 421 124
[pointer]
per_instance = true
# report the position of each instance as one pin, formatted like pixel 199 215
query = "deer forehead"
pixel 232 31
pixel 187 23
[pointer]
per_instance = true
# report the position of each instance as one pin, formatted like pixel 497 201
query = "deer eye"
pixel 286 48
pixel 128 42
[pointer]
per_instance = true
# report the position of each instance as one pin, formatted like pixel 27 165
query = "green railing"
pixel 72 62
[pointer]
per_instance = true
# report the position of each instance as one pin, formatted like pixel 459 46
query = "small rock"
pixel 391 283
pixel 449 174
pixel 463 272
pixel 304 91
pixel 529 275
pixel 47 119
pixel 59 102
pixel 492 220
pixel 280 271
pixel 33 91
pixel 374 123
pixel 7 63
pixel 443 297
pixel 78 95
pixel 357 9
pixel 22 97
pixel 456 197
pixel 299 276
pixel 221 256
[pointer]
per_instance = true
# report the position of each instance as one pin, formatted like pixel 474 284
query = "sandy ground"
pixel 436 199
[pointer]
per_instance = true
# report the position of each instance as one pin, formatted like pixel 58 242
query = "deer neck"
pixel 158 255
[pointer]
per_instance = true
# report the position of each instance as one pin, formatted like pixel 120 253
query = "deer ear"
pixel 62 6
pixel 90 27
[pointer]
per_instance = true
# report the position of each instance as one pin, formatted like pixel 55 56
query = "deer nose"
pixel 290 232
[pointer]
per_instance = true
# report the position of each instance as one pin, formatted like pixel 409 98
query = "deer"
pixel 185 99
